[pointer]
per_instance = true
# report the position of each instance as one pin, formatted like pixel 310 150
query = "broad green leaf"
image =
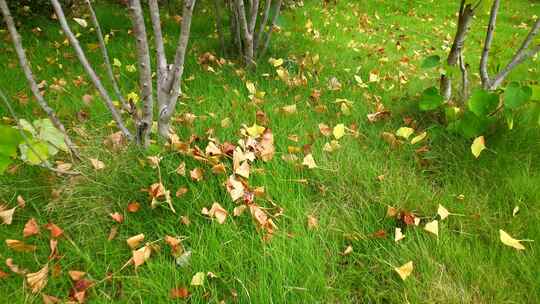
pixel 27 126
pixel 431 62
pixel 471 125
pixel 431 99
pixel 451 113
pixel 48 132
pixel 4 162
pixel 9 140
pixel 28 155
pixel 516 95
pixel 535 92
pixel 483 103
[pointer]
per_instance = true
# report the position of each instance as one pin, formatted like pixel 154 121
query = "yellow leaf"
pixel 116 62
pixel 404 132
pixel 81 22
pixel 243 169
pixel 198 279
pixel 309 161
pixel 398 235
pixel 442 212
pixel 478 145
pixel 134 241
pixel 141 255
pixel 218 212
pixel 97 164
pixel 133 97
pixel 433 227
pixel 38 280
pixel 7 215
pixel 339 131
pixel 255 130
pixel 510 241
pixel 418 138
pixel 251 87
pixel 405 270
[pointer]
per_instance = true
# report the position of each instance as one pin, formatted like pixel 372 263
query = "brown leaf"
pixel 76 275
pixel 55 230
pixel 196 174
pixel 97 164
pixel 117 217
pixel 20 246
pixel 31 228
pixel 134 241
pixel 49 299
pixel 15 268
pixel 6 215
pixel 176 245
pixel 20 201
pixel 179 293
pixel 112 233
pixel 141 255
pixel 133 207
pixel 53 245
pixel 181 191
pixel 38 280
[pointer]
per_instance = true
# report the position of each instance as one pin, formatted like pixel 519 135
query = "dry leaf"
pixel 238 210
pixel 510 241
pixel 339 131
pixel 97 164
pixel 398 236
pixel 20 246
pixel 76 275
pixel 15 268
pixel 37 280
pixel 218 212
pixel 179 293
pixel 55 230
pixel 325 129
pixel 404 132
pixel 433 227
pixel 198 279
pixel 312 222
pixel 181 191
pixel 117 217
pixel 442 212
pixel 243 169
pixel 347 250
pixel 478 145
pixel 196 174
pixel 515 211
pixel 405 270
pixel 133 207
pixel 7 215
pixel 47 299
pixel 141 255
pixel 134 241
pixel 20 201
pixel 31 228
pixel 181 170
pixel 309 162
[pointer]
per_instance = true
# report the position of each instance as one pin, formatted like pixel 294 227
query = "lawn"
pixel 334 241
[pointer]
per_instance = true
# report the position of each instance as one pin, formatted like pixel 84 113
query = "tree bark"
pixel 466 14
pixel 145 72
pixel 23 61
pixel 247 36
pixel 88 68
pixel 262 24
pixel 484 74
pixel 269 34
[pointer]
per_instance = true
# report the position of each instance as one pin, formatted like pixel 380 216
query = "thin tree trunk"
pixel 106 59
pixel 269 34
pixel 484 74
pixel 23 61
pixel 521 55
pixel 219 26
pixel 158 37
pixel 175 75
pixel 446 87
pixel 262 25
pixel 466 14
pixel 464 79
pixel 247 36
pixel 145 72
pixel 88 68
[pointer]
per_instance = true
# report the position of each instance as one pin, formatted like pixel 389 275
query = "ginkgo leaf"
pixel 478 145
pixel 418 138
pixel 134 241
pixel 243 169
pixel 218 212
pixel 255 130
pixel 432 227
pixel 116 62
pixel 339 131
pixel 309 162
pixel 442 212
pixel 81 22
pixel 7 215
pixel 97 164
pixel 398 235
pixel 31 228
pixel 141 255
pixel 20 246
pixel 251 87
pixel 404 132
pixel 405 270
pixel 38 280
pixel 510 241
pixel 198 279
pixel 76 275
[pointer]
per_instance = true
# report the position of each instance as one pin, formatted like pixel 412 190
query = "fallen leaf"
pixel 47 299
pixel 478 145
pixel 243 169
pixel 418 138
pixel 141 255
pixel 218 212
pixel 404 132
pixel 97 164
pixel 20 246
pixel 179 293
pixel 309 161
pixel 117 217
pixel 312 222
pixel 339 131
pixel 405 270
pixel 196 174
pixel 433 227
pixel 515 211
pixel 325 129
pixel 15 268
pixel 76 275
pixel 20 201
pixel 176 245
pixel 255 130
pixel 81 22
pixel 134 241
pixel 198 279
pixel 347 250
pixel 398 235
pixel 55 230
pixel 133 207
pixel 7 215
pixel 37 280
pixel 238 210
pixel 442 212
pixel 181 191
pixel 31 228
pixel 510 241
pixel 181 170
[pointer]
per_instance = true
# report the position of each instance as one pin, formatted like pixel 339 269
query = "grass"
pixel 466 264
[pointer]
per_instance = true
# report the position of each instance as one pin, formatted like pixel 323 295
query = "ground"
pixel 349 194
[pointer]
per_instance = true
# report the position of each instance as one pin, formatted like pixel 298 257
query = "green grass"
pixel 466 264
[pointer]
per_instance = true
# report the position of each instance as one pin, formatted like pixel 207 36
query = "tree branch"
pixel 145 71
pixel 484 75
pixel 23 61
pixel 158 37
pixel 269 34
pixel 88 68
pixel 106 59
pixel 253 16
pixel 247 36
pixel 262 24
pixel 466 14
